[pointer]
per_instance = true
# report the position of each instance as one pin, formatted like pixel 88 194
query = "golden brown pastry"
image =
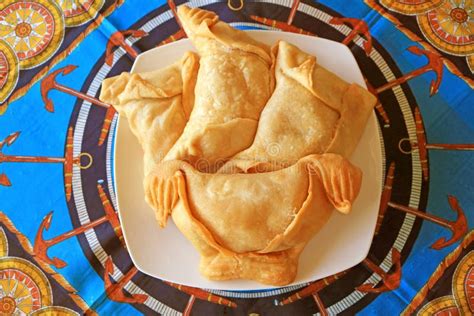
pixel 311 111
pixel 252 226
pixel 157 104
pixel 234 82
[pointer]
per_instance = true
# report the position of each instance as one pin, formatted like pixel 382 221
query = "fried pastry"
pixel 233 84
pixel 311 111
pixel 157 104
pixel 252 226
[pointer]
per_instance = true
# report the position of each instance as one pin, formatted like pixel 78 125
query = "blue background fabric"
pixel 427 281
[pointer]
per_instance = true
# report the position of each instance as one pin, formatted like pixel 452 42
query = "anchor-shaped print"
pixel 288 27
pixel 200 294
pixel 41 246
pixel 378 106
pixel 313 290
pixel 435 64
pixel 422 145
pixel 4 180
pixel 68 160
pixel 180 33
pixel 385 197
pixel 115 291
pixel 458 227
pixel 390 281
pixel 359 27
pixel 117 39
pixel 49 83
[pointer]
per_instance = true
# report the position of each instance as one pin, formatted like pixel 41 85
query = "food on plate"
pixel 157 104
pixel 311 111
pixel 284 124
pixel 253 226
pixel 234 82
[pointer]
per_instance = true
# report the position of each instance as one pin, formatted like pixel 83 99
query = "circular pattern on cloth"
pixel 9 70
pixel 25 288
pixel 450 27
pixel 398 230
pixel 33 29
pixel 411 7
pixel 54 311
pixel 78 12
pixel 439 307
pixel 463 283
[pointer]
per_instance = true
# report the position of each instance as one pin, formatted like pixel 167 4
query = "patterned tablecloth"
pixel 61 245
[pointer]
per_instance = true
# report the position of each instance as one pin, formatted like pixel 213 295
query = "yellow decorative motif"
pixel 411 7
pixel 23 287
pixel 78 12
pixel 3 243
pixel 60 56
pixel 450 27
pixel 463 284
pixel 33 29
pixel 54 311
pixel 8 70
pixel 452 67
pixel 444 303
pixel 29 271
pixel 461 302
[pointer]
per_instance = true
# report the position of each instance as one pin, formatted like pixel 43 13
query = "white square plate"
pixel 166 254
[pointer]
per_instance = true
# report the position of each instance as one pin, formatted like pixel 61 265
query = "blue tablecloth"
pixel 61 247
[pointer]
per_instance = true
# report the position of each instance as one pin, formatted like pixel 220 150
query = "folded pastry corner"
pixel 233 84
pixel 253 226
pixel 311 111
pixel 209 34
pixel 157 104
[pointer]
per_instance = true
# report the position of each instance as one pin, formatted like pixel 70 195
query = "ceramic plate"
pixel 166 254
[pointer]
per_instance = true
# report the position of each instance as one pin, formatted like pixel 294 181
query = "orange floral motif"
pixel 437 26
pixel 24 287
pixel 411 7
pixel 8 70
pixel 33 29
pixel 8 29
pixel 461 302
pixel 450 27
pixel 54 311
pixel 78 12
pixel 463 284
pixel 441 306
